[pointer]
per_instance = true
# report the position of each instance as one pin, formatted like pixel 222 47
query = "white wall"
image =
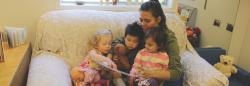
pixel 239 47
pixel 24 13
pixel 224 10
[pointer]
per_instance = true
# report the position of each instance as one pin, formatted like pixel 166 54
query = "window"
pixel 106 2
pixel 121 5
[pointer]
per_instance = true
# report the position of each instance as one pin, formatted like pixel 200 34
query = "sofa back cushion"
pixel 67 32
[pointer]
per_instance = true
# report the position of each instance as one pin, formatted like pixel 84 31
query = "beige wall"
pixel 224 10
pixel 244 58
pixel 24 13
pixel 239 47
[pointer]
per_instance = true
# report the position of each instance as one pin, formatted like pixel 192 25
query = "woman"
pixel 151 15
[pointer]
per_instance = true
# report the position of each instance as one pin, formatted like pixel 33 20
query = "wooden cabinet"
pixel 13 72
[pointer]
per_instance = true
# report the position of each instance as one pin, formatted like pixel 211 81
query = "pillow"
pixel 48 70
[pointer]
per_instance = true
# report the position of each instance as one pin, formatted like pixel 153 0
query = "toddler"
pixel 152 58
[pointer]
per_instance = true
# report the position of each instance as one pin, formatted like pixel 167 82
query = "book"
pixel 1 47
pixel 16 36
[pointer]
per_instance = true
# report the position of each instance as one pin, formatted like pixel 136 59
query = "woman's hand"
pixel 160 74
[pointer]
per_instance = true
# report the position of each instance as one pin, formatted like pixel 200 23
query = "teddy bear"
pixel 120 58
pixel 77 76
pixel 226 66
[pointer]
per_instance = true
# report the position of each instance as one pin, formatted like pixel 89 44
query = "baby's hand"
pixel 110 64
pixel 110 56
pixel 113 65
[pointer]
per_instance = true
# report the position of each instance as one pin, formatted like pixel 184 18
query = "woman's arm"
pixel 175 68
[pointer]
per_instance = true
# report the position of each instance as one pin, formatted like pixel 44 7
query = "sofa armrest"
pixel 211 55
pixel 48 70
pixel 199 72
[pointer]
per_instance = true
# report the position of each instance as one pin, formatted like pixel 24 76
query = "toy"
pixel 77 76
pixel 225 65
pixel 119 57
pixel 193 32
pixel 189 32
pixel 193 35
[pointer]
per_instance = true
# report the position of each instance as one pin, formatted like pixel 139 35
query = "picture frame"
pixel 1 48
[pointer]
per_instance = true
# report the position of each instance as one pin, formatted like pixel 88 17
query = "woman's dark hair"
pixel 136 30
pixel 155 8
pixel 159 35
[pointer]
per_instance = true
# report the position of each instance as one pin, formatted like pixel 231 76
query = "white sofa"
pixel 62 40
